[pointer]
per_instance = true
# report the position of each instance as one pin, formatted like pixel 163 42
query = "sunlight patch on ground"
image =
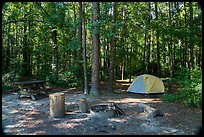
pixel 64 125
pixel 13 126
pixel 125 84
pixel 14 111
pixel 121 120
pixel 131 100
pixel 79 119
pixel 73 112
pixel 36 133
pixel 17 131
pixel 30 123
pixel 167 114
pixel 126 80
pixel 34 112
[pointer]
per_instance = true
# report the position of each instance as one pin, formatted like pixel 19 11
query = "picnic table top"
pixel 30 82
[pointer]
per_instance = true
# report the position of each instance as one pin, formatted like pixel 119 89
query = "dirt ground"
pixel 26 117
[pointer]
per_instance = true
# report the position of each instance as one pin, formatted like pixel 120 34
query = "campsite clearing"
pixel 27 117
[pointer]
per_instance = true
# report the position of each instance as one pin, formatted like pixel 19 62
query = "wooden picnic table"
pixel 31 87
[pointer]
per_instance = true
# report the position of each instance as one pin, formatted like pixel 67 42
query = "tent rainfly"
pixel 146 84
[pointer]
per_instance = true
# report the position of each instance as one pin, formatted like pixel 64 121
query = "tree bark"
pixel 149 40
pixel 144 55
pixel 191 35
pixel 124 31
pixel 29 65
pixel 95 82
pixel 83 106
pixel 185 41
pixel 79 56
pixel 75 33
pixel 57 105
pixel 170 52
pixel 25 50
pixel 112 52
pixel 84 49
pixel 158 47
pixel 54 55
pixel 7 57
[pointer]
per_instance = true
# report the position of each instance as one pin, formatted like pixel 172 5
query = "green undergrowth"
pixel 190 92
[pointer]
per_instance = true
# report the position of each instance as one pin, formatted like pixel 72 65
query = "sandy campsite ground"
pixel 26 117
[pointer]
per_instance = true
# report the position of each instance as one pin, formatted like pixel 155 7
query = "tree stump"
pixel 83 105
pixel 57 105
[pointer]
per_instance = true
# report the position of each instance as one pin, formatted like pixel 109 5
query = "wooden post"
pixel 83 105
pixel 57 105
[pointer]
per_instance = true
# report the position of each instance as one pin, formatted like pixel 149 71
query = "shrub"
pixel 191 83
pixel 9 78
pixel 170 97
pixel 65 79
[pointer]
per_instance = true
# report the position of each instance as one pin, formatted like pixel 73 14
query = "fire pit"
pixel 101 111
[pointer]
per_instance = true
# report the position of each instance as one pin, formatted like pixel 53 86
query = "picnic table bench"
pixel 31 87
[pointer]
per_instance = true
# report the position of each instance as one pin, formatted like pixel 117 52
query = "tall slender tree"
pixel 149 39
pixel 158 47
pixel 112 52
pixel 54 55
pixel 79 57
pixel 191 35
pixel 95 82
pixel 84 49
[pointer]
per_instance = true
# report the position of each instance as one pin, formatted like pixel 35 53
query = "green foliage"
pixel 170 97
pixel 65 79
pixel 191 83
pixel 131 22
pixel 71 78
pixel 74 45
pixel 9 78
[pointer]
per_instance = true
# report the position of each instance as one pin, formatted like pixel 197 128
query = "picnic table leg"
pixel 30 90
pixel 19 95
pixel 33 98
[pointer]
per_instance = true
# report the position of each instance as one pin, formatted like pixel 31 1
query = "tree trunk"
pixel 158 47
pixel 79 56
pixel 191 35
pixel 54 55
pixel 84 49
pixel 185 41
pixel 112 52
pixel 29 65
pixel 170 52
pixel 75 33
pixel 123 37
pixel 7 55
pixel 95 82
pixel 144 55
pixel 83 106
pixel 130 63
pixel 25 51
pixel 57 105
pixel 149 40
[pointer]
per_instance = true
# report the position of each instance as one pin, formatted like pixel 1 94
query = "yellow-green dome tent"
pixel 146 84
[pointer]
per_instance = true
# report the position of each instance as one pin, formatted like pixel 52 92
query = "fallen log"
pixel 150 111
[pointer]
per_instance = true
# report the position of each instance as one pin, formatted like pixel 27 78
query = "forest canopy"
pixel 57 40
